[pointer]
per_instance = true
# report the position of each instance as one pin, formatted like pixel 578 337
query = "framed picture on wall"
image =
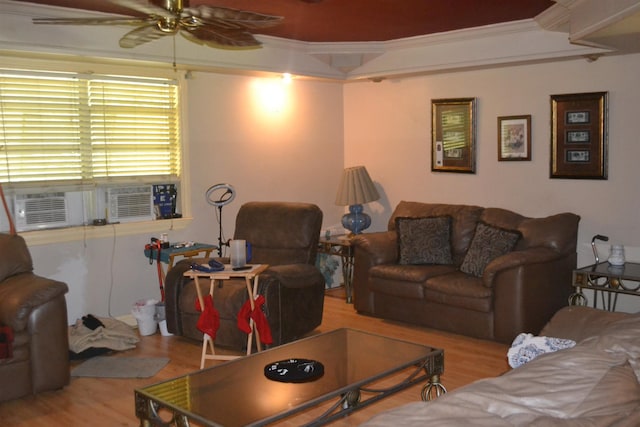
pixel 579 136
pixel 453 129
pixel 514 138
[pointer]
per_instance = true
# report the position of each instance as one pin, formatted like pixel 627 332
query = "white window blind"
pixel 71 129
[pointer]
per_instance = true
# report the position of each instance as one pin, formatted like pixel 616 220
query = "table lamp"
pixel 355 189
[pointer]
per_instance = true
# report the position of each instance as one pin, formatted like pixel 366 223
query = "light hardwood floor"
pixel 101 402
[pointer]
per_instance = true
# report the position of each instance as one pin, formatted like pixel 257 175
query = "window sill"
pixel 59 235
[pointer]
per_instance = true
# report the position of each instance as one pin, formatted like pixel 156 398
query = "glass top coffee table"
pixel 237 393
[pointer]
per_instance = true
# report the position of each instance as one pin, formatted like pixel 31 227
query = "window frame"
pixel 84 232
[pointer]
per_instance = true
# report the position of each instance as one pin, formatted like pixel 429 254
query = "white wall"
pixel 387 128
pixel 298 152
pixel 291 153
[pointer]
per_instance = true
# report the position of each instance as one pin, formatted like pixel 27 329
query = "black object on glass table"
pixel 294 370
pixel 593 246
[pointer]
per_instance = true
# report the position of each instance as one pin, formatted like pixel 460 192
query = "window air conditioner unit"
pixel 125 204
pixel 40 210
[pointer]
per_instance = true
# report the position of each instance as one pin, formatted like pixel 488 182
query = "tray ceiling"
pixel 360 20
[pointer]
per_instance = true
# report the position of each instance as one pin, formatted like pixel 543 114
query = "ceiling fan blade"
pixel 220 38
pixel 213 26
pixel 241 18
pixel 89 21
pixel 145 7
pixel 141 35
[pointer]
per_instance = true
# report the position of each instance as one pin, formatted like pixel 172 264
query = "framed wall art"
pixel 579 136
pixel 514 138
pixel 453 130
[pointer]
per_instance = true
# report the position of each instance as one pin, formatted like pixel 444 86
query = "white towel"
pixel 526 347
pixel 115 335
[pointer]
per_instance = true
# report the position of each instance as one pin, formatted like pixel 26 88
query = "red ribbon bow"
pixel 209 320
pixel 260 320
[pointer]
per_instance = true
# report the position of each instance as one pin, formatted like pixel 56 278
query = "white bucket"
pixel 145 314
pixel 147 326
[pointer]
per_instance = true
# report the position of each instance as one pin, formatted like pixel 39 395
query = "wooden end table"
pixel 208 350
pixel 340 246
pixel 168 255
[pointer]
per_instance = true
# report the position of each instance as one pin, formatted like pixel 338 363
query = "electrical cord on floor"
pixel 111 265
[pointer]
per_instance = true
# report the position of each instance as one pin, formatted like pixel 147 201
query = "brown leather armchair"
pixel 35 309
pixel 285 236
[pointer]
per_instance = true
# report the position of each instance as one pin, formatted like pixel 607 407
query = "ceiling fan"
pixel 214 26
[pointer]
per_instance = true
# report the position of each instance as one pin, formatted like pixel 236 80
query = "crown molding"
pixel 591 16
pixel 613 25
pixel 556 18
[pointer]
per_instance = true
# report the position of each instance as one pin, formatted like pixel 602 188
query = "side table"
pixel 169 254
pixel 226 274
pixel 341 246
pixel 605 278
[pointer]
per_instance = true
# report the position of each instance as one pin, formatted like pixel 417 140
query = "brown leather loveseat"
pixel 35 310
pixel 519 290
pixel 282 234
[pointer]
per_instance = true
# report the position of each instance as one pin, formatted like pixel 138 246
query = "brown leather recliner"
pixel 285 236
pixel 35 309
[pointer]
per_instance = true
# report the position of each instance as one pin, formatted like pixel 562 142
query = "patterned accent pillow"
pixel 424 240
pixel 488 243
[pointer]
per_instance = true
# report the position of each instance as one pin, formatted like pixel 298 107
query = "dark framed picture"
pixel 578 136
pixel 579 140
pixel 578 156
pixel 577 117
pixel 453 130
pixel 514 138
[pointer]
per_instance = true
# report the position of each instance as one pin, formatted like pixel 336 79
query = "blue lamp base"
pixel 356 220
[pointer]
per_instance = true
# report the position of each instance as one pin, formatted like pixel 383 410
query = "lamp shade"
pixel 356 187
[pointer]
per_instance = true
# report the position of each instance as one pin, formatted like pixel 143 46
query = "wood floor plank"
pixel 103 402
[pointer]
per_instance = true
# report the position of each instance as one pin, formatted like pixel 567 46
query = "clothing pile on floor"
pixel 93 336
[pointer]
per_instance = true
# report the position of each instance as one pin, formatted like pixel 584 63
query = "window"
pixel 86 140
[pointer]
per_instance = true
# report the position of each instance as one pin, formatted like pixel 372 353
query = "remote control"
pixel 246 267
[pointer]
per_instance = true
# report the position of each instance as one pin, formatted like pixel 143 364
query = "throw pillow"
pixel 488 243
pixel 424 240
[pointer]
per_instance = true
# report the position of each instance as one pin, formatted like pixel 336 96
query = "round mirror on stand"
pixel 220 195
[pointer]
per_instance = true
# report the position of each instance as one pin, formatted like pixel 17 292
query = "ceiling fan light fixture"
pixel 168 25
pixel 213 26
